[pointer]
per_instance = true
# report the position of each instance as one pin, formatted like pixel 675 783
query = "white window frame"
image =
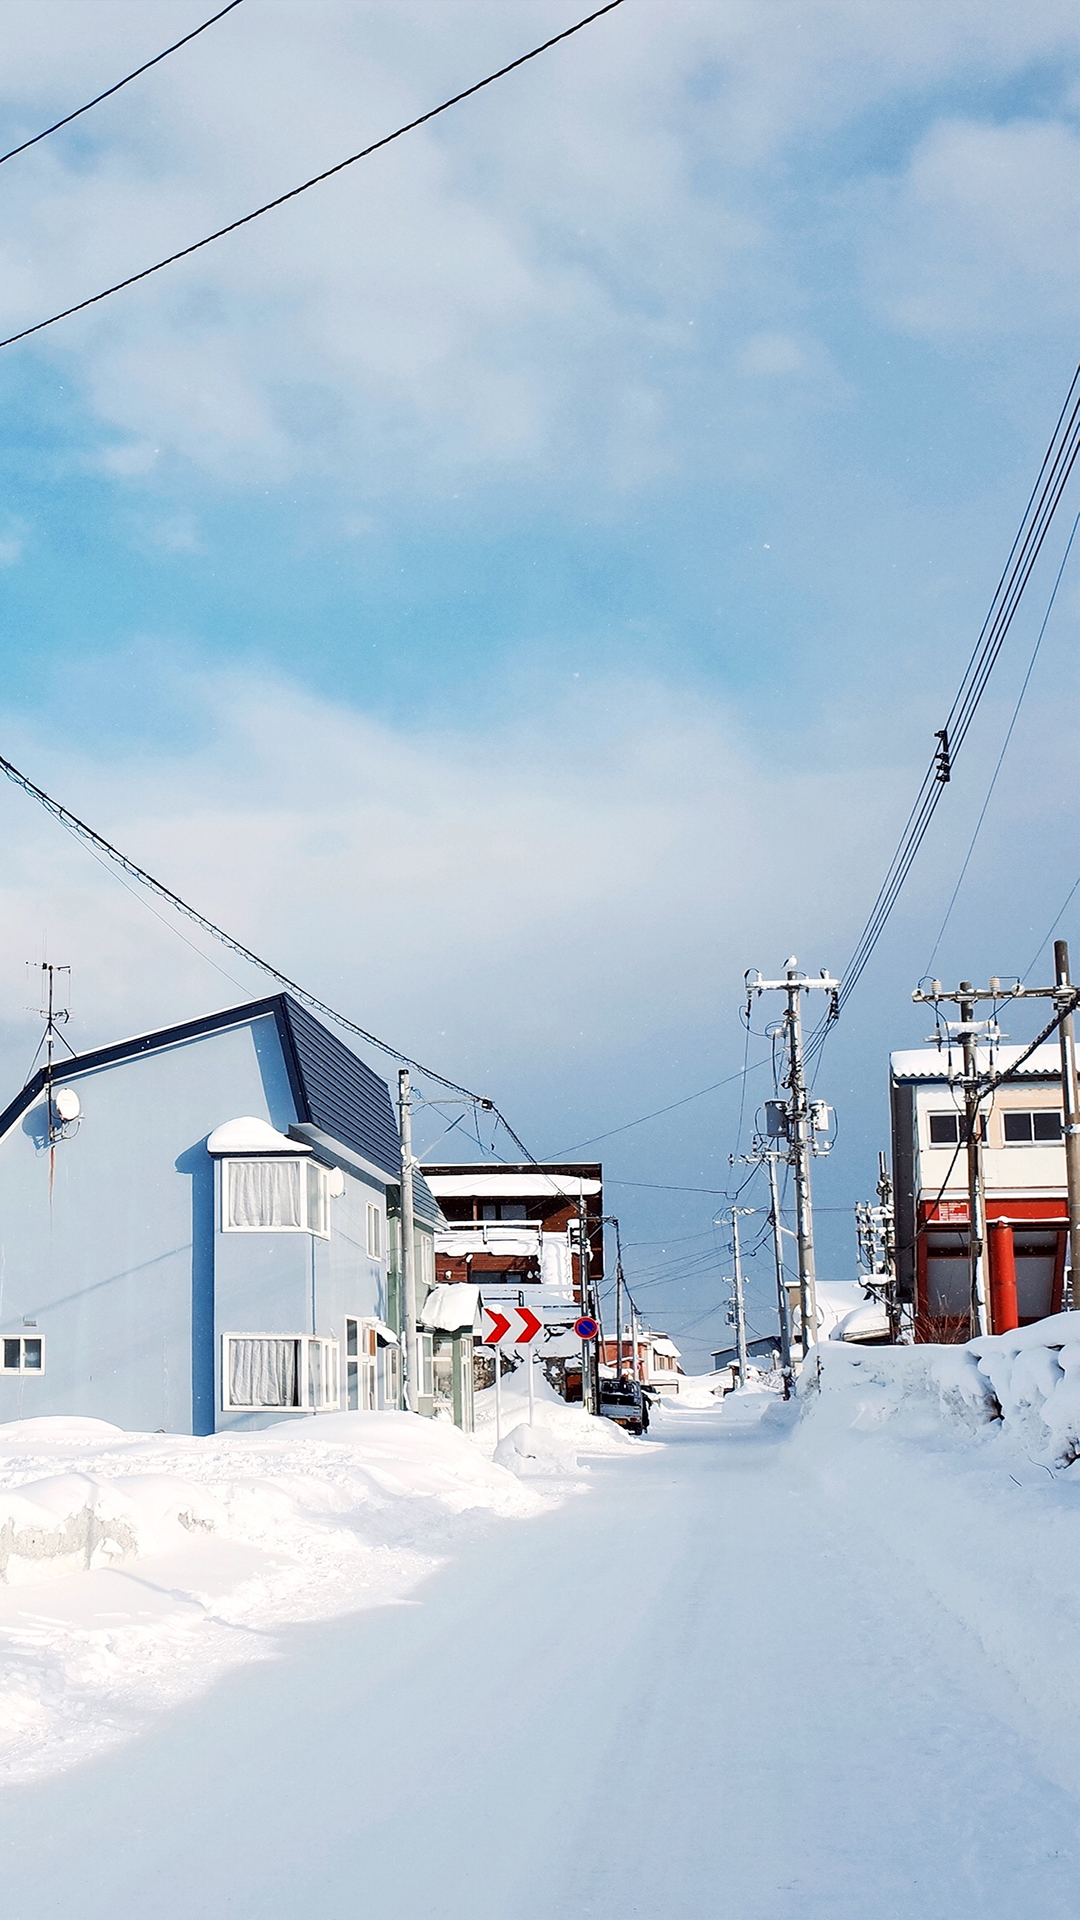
pixel 331 1401
pixel 322 1175
pixel 424 1254
pixel 363 1363
pixel 24 1372
pixel 425 1355
pixel 374 1231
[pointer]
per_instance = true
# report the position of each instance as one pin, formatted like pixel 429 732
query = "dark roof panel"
pixel 332 1088
pixel 337 1092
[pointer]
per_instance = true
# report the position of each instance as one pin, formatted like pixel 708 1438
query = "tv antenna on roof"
pixel 55 1016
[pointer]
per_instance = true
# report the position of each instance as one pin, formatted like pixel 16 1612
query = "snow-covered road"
pixel 713 1686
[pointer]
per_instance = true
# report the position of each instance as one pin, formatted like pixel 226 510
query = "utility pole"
pixel 618 1300
pixel 875 1232
pixel 804 1119
pixel 590 1351
pixel 408 1247
pixel 782 1306
pixel 976 1086
pixel 740 1302
pixel 1070 1119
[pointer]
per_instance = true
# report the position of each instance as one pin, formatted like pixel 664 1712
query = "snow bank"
pixel 134 1568
pixel 1025 1384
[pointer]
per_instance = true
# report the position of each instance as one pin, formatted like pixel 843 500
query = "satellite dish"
pixel 66 1104
pixel 336 1183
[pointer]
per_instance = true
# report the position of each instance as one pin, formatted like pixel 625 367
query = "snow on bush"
pixel 1025 1383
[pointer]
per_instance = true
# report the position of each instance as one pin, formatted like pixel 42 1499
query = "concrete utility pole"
pixel 781 1289
pixel 1070 1100
pixel 590 1349
pixel 618 1299
pixel 801 1117
pixel 740 1301
pixel 408 1247
pixel 977 1085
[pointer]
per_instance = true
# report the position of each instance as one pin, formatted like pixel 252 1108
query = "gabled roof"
pixel 334 1091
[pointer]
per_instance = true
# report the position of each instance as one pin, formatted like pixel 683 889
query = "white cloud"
pixel 12 543
pixel 979 232
pixel 574 893
pixel 592 869
pixel 510 289
pixel 772 354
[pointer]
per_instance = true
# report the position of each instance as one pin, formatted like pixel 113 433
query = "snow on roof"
pixel 249 1135
pixel 510 1185
pixel 934 1063
pixel 488 1236
pixel 666 1346
pixel 450 1307
pixel 868 1322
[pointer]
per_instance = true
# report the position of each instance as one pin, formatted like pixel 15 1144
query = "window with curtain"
pixel 263 1370
pixel 267 1370
pixel 268 1195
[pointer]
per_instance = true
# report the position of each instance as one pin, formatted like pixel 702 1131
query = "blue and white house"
pixel 197 1229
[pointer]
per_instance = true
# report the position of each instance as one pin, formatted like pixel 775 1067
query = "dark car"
pixel 625 1402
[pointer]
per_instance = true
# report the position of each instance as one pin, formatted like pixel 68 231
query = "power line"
pixel 656 1114
pixel 82 831
pixel 1052 929
pixel 115 88
pixel 1004 749
pixel 316 179
pixel 1053 476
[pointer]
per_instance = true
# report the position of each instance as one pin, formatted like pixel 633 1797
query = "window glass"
pixel 944 1129
pixel 1017 1128
pixel 32 1355
pixel 374 1232
pixel 352 1339
pixel 317 1201
pixel 263 1193
pixel 12 1354
pixel 264 1372
pixel 1047 1124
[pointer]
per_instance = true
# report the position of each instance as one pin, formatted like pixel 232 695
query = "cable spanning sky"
pixel 515 586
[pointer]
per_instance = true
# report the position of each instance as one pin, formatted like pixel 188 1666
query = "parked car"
pixel 627 1403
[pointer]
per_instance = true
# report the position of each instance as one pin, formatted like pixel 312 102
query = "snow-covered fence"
pixel 1026 1382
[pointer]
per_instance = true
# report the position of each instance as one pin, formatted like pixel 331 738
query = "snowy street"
pixel 747 1672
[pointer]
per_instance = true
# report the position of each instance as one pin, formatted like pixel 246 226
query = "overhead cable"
pixel 1054 473
pixel 94 840
pixel 316 179
pixel 115 88
pixel 1004 749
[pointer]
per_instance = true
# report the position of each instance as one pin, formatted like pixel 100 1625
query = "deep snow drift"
pixel 136 1568
pixel 810 1661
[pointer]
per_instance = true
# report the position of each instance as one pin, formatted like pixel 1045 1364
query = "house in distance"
pixel 199 1228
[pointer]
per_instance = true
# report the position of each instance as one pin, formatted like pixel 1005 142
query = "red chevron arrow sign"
pixel 510 1326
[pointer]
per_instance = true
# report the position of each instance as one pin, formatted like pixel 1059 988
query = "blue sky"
pixel 515 586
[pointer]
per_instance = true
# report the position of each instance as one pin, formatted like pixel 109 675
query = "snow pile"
pixel 556 1440
pixel 134 1568
pixel 1025 1384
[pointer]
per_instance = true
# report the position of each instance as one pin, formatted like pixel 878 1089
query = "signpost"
pixel 586 1328
pixel 510 1326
